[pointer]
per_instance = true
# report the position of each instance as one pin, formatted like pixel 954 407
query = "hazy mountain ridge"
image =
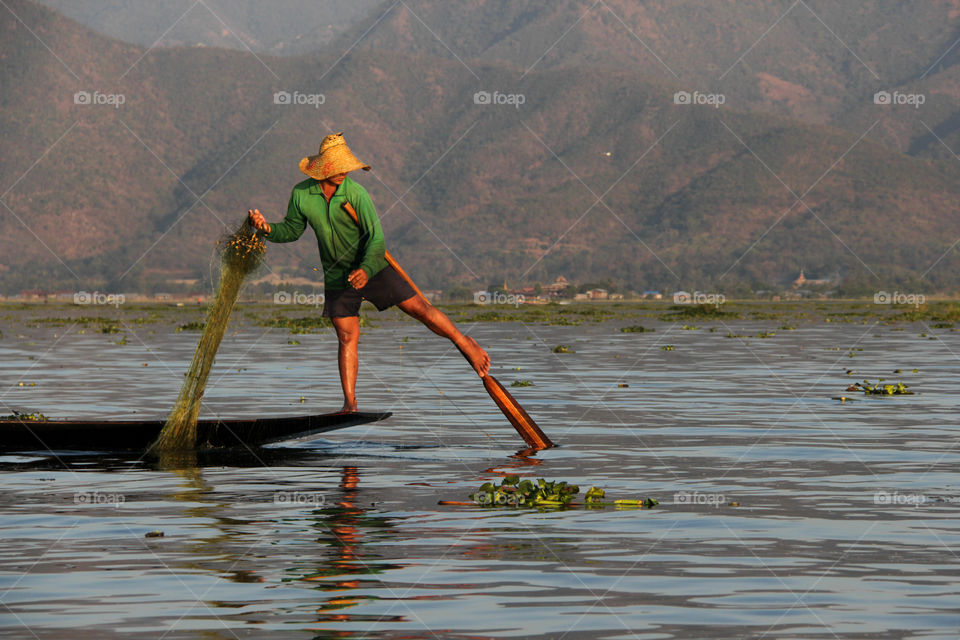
pixel 278 27
pixel 500 201
pixel 819 62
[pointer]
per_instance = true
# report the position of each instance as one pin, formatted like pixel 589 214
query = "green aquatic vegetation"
pixel 878 389
pixel 766 334
pixel 597 314
pixel 304 324
pixel 112 328
pixel 566 322
pixel 512 492
pixel 36 416
pixel 543 314
pixel 689 327
pixel 667 347
pixel 562 349
pixel 521 383
pixel 694 311
pixel 635 328
pixel 497 316
pixel 78 320
pixel 594 495
pixel 930 312
pixel 191 326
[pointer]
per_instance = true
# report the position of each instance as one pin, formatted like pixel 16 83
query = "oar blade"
pixel 521 421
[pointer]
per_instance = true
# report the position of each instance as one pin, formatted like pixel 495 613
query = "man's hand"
pixel 257 220
pixel 357 279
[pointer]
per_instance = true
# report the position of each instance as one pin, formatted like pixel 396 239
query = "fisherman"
pixel 352 253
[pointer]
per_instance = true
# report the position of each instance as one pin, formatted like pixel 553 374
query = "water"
pixel 847 524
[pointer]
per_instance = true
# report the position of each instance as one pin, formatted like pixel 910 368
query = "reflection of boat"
pixel 136 435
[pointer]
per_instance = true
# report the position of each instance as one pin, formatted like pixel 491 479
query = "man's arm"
pixel 289 230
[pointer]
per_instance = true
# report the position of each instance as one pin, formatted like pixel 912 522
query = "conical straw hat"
pixel 333 157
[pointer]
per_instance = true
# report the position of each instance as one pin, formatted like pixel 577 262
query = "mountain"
pixel 813 60
pixel 278 27
pixel 129 196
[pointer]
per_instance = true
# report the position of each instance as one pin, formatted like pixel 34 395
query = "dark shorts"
pixel 384 290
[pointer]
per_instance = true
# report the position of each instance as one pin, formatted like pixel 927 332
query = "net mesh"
pixel 241 254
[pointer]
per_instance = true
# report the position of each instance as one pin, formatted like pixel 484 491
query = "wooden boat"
pixel 137 435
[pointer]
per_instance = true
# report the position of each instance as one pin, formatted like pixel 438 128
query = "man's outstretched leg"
pixel 438 322
pixel 348 334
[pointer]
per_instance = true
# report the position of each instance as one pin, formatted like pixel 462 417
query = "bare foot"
pixel 476 356
pixel 348 408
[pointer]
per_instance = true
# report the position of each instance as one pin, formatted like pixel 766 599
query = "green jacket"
pixel 344 246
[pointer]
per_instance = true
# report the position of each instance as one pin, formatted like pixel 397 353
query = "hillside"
pixel 817 61
pixel 114 204
pixel 278 27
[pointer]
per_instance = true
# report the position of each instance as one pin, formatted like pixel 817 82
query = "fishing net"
pixel 241 254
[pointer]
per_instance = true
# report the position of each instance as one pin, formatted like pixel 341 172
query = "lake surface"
pixel 783 513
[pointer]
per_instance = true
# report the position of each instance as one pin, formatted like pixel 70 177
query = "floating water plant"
pixel 596 497
pixel 635 328
pixel 686 312
pixel 522 383
pixel 878 389
pixel 36 416
pixel 513 492
pixel 562 349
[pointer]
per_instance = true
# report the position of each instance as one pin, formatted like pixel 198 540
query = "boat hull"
pixel 137 435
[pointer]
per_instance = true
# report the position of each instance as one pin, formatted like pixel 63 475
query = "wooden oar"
pixel 519 418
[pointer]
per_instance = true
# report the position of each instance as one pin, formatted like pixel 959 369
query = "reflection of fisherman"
pixel 352 254
pixel 342 526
